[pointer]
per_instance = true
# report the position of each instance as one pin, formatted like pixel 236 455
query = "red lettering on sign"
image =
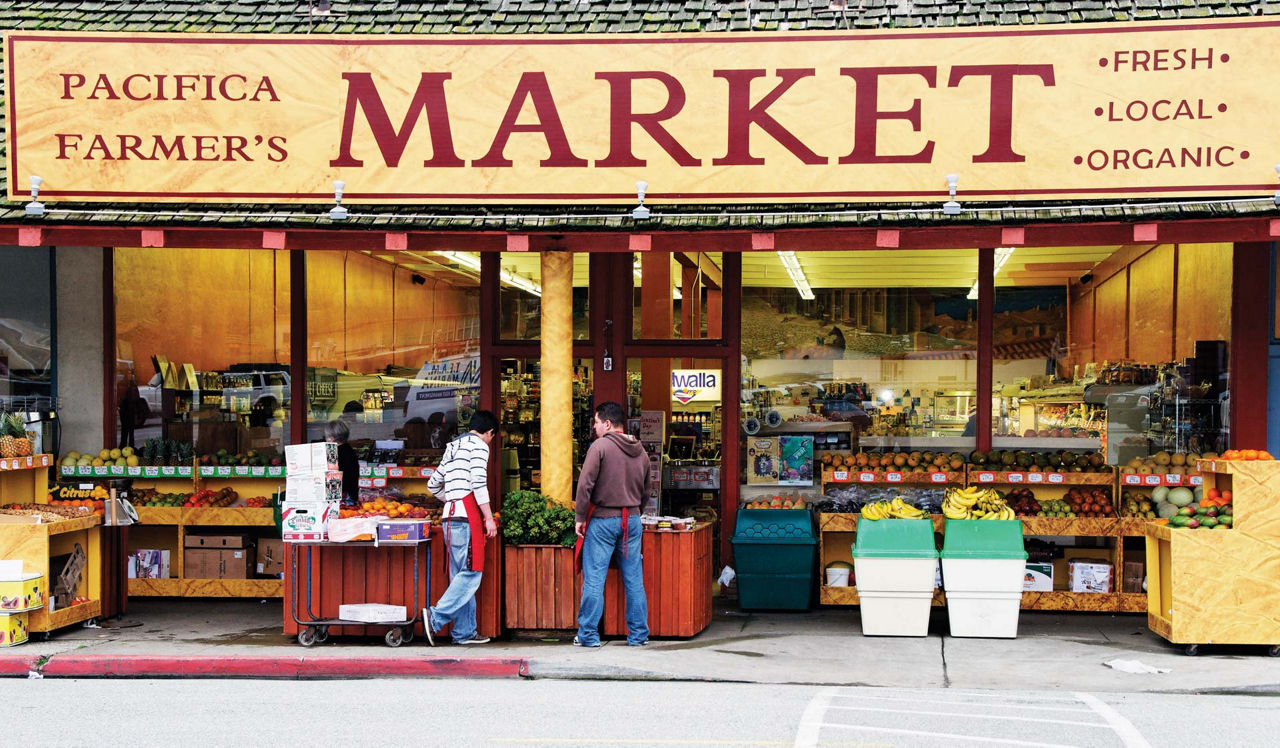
pixel 867 114
pixel 429 96
pixel 1000 127
pixel 622 117
pixel 534 87
pixel 743 114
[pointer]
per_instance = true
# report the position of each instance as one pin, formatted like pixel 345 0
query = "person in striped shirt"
pixel 462 483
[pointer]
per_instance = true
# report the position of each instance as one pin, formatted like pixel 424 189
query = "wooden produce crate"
pixel 37 544
pixel 677 582
pixel 1221 586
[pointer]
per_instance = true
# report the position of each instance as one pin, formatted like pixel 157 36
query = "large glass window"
pixel 874 350
pixel 520 295
pixel 26 364
pixel 520 419
pixel 202 351
pixel 1121 350
pixel 393 351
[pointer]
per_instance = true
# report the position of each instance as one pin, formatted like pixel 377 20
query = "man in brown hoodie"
pixel 610 494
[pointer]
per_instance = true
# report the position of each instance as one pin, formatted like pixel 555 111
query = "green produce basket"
pixel 775 552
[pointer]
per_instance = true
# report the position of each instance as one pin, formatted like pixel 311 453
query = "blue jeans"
pixel 603 540
pixel 458 603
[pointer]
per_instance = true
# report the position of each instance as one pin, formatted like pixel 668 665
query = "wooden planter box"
pixel 541 590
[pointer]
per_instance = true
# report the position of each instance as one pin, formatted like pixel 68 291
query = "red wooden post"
pixel 730 440
pixel 986 340
pixel 109 348
pixel 297 347
pixel 1250 336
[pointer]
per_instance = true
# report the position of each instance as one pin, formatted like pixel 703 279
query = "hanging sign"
pixel 695 385
pixel 1016 112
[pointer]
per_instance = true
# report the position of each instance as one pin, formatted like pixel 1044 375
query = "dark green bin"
pixel 775 552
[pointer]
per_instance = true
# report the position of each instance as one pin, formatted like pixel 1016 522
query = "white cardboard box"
pixel 1039 578
pixel 317 487
pixel 150 564
pixel 306 520
pixel 305 459
pixel 372 612
pixel 1087 576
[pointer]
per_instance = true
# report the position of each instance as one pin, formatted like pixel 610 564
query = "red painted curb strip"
pixel 17 665
pixel 144 666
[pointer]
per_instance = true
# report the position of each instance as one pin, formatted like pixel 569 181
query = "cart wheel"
pixel 322 634
pixel 1274 651
pixel 408 634
pixel 394 638
pixel 307 636
pixel 1191 650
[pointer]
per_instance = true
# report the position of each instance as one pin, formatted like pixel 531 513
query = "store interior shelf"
pixel 1045 444
pixel 232 588
pixel 807 427
pixel 155 588
pixel 30 462
pixel 1092 602
pixel 73 615
pixel 159 515
pixel 1134 480
pixel 67 472
pixel 910 443
pixel 848 522
pixel 396 472
pixel 228 516
pixel 241 471
pixel 844 596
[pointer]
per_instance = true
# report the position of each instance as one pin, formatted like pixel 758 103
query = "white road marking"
pixel 1003 705
pixel 1123 727
pixel 811 720
pixel 985 694
pixel 947 735
pixel 1074 723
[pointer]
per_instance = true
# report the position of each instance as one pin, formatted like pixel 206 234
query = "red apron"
pixel 577 546
pixel 477 530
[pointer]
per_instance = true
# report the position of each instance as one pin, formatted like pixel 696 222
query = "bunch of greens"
pixel 529 518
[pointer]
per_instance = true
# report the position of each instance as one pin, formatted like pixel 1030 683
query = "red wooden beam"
pixel 108 349
pixel 986 336
pixel 297 347
pixel 1250 335
pixel 274 239
pixel 152 238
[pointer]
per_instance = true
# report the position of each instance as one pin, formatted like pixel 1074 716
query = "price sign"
pixel 866 477
pixel 68 470
pixel 986 477
pixel 223 471
pixel 365 483
pixel 426 472
pixel 1016 477
pixel 379 482
pixel 258 471
pixel 1173 480
pixel 395 472
pixel 117 470
pixel 1131 479
pixel 241 471
pixel 938 477
pixel 184 472
pixel 379 471
pixel 1195 480
pixel 840 476
pixel 680 475
pixel 1057 478
pixel 893 477
pixel 275 472
pixel 1151 480
pixel 100 470
pixel 1035 477
pixel 84 470
pixel 206 471
pixel 134 471
pixel 151 472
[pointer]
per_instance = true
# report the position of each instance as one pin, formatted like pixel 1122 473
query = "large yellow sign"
pixel 1044 112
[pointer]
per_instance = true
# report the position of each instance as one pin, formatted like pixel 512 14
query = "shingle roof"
pixel 596 16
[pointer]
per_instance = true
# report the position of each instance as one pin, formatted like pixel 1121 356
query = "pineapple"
pixel 11 429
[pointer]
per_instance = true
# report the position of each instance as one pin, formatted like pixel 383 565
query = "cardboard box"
pixel 1062 566
pixel 19 591
pixel 271 558
pixel 307 459
pixel 219 563
pixel 318 487
pixel 301 521
pixel 372 613
pixel 216 541
pixel 13 629
pixel 1133 575
pixel 404 529
pixel 1090 576
pixel 1038 578
pixel 150 564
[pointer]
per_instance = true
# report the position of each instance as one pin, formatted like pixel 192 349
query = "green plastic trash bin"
pixel 984 563
pixel 775 552
pixel 895 563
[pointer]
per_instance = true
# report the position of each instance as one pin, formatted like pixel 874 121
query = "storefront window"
pixel 520 419
pixel 520 295
pixel 26 363
pixel 393 351
pixel 870 350
pixel 681 297
pixel 1113 350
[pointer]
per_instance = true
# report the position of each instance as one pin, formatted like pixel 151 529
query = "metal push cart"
pixel 314 630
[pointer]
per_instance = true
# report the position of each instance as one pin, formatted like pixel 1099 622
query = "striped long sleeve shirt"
pixel 463 470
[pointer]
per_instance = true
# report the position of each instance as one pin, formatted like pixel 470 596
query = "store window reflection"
pixel 677 295
pixel 202 351
pixel 26 365
pixel 520 420
pixel 520 295
pixel 875 350
pixel 1122 350
pixel 393 351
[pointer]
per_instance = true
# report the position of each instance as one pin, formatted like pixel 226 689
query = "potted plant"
pixel 538 581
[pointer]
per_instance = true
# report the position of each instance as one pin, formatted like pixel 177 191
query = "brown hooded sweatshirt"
pixel 614 475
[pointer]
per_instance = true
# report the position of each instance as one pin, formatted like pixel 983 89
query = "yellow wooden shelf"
pixel 159 515
pixel 30 462
pixel 73 525
pixel 847 596
pixel 229 516
pixel 155 588
pixel 232 588
pixel 73 615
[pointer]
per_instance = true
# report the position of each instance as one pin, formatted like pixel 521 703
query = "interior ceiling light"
pixel 794 270
pixel 471 260
pixel 1002 256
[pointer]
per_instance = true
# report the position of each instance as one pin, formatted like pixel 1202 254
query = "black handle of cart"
pixel 315 630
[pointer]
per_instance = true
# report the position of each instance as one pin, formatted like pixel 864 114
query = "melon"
pixel 1181 496
pixel 1165 510
pixel 1160 494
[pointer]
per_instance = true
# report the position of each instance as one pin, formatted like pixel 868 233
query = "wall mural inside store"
pixel 1017 113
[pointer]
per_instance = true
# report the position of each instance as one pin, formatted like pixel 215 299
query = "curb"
pixel 276 668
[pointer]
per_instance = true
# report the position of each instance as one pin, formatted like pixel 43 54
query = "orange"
pixel 368 505
pixel 1231 454
pixel 1265 455
pixel 1249 454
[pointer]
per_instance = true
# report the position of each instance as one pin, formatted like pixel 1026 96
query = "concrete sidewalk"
pixel 1054 651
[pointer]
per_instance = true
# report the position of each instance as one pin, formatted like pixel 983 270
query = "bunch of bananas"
pixel 896 509
pixel 975 503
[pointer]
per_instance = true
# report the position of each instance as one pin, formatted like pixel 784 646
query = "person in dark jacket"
pixel 611 490
pixel 338 433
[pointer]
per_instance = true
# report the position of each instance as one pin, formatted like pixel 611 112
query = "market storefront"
pixel 808 354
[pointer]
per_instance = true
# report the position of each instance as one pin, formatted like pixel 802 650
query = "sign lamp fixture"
pixel 1277 197
pixel 338 212
pixel 35 208
pixel 951 207
pixel 640 213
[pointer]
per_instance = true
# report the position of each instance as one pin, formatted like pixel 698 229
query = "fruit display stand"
pixel 24 480
pixel 836 534
pixel 1221 586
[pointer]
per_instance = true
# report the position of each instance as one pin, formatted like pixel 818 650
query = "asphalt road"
pixel 593 713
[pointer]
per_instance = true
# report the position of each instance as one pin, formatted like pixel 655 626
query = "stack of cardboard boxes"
pixel 313 491
pixel 20 593
pixel 218 557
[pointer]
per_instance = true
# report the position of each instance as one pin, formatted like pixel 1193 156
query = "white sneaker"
pixel 577 643
pixel 426 626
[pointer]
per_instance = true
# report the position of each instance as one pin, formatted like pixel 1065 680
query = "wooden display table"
pixel 362 573
pixel 1221 586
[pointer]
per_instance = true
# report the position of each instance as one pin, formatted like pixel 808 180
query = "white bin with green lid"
pixel 895 561
pixel 984 563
